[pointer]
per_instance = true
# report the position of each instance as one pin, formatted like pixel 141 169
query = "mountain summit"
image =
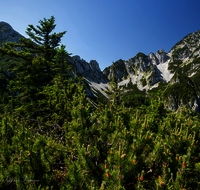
pixel 8 34
pixel 176 72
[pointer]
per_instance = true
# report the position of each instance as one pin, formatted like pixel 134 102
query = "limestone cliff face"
pixel 177 70
pixel 96 80
pixel 90 70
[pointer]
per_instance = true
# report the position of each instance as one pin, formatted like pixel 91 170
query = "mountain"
pixel 176 72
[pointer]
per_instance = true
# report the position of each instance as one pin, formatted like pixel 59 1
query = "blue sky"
pixel 108 30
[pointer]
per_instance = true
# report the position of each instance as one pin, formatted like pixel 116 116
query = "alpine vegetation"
pixel 60 130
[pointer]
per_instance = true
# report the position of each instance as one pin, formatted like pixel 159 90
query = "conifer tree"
pixel 7 62
pixel 115 91
pixel 61 58
pixel 124 76
pixel 34 72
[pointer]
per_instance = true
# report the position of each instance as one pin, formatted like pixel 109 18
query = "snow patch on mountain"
pixel 163 67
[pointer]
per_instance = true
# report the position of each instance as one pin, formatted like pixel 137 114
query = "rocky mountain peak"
pixel 5 25
pixel 94 65
pixel 162 56
pixel 8 34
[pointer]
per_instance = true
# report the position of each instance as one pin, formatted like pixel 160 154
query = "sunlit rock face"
pixel 177 70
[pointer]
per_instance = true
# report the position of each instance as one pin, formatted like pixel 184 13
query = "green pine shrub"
pixel 116 148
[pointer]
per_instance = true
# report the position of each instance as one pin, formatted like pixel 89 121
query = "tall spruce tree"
pixel 35 72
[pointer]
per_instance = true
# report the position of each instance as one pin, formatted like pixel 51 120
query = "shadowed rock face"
pixel 178 69
pixel 8 34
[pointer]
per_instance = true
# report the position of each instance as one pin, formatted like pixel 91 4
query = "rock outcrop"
pixel 8 34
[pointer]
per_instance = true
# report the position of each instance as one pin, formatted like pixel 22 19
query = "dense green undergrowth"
pixel 51 137
pixel 115 148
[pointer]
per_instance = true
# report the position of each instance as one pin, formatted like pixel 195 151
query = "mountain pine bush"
pixel 63 146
